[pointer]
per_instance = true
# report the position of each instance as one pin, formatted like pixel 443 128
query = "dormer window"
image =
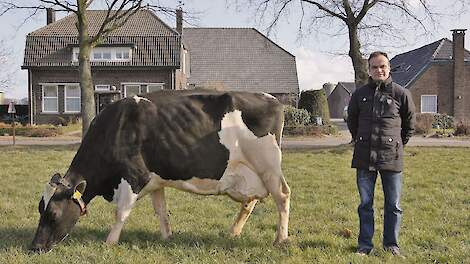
pixel 111 54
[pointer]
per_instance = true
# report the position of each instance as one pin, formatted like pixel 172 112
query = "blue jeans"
pixel 391 182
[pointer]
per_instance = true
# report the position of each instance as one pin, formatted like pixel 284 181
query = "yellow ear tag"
pixel 77 195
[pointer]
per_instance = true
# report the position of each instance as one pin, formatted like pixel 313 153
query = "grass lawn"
pixel 323 223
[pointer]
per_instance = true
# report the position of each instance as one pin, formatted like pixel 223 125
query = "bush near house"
pixel 462 128
pixel 298 122
pixel 314 101
pixel 424 123
pixel 31 131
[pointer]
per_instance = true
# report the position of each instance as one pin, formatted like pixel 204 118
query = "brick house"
pixel 437 75
pixel 146 55
pixel 142 56
pixel 339 98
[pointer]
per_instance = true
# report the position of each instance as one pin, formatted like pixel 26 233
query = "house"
pixel 339 98
pixel 437 75
pixel 142 56
pixel 145 55
pixel 240 59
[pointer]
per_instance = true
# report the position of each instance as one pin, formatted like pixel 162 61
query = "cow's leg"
pixel 125 200
pixel 280 191
pixel 245 211
pixel 266 160
pixel 159 204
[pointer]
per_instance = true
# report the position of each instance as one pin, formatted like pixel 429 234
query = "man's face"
pixel 379 68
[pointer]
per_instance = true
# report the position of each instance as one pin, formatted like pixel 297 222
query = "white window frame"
pixel 435 102
pixel 101 50
pixel 50 97
pixel 102 87
pixel 141 87
pixel 72 97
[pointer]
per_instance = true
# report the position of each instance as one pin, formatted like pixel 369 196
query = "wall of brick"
pixel 113 77
pixel 438 80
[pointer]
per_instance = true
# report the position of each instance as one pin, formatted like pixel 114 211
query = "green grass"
pixel 435 229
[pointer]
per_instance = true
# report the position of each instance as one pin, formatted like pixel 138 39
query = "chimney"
pixel 458 48
pixel 179 20
pixel 50 15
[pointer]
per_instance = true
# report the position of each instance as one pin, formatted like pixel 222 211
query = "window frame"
pixel 108 87
pixel 50 97
pixel 104 50
pixel 435 103
pixel 72 97
pixel 141 89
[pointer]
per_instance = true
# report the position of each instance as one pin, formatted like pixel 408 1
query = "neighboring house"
pixel 141 56
pixel 437 75
pixel 240 59
pixel 145 55
pixel 339 98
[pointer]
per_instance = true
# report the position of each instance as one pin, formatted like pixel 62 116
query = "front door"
pixel 102 100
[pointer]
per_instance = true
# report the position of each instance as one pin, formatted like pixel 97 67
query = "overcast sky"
pixel 315 65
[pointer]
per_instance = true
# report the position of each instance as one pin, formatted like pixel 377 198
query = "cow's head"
pixel 60 207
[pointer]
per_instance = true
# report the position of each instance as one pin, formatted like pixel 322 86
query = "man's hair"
pixel 376 54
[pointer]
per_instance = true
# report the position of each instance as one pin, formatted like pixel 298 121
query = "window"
pixel 141 88
pixel 102 87
pixel 106 54
pixel 154 87
pixel 50 99
pixel 428 103
pixel 131 90
pixel 72 98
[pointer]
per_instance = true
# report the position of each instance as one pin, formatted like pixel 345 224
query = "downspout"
pixel 31 98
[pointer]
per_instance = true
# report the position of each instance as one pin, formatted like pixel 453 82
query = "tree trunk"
pixel 86 82
pixel 359 63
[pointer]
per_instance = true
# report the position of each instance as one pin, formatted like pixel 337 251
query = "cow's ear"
pixel 56 179
pixel 80 187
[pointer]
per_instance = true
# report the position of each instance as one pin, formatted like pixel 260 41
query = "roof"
pixel 406 67
pixel 154 43
pixel 239 59
pixel 350 87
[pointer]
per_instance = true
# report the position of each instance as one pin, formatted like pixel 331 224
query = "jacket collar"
pixel 382 85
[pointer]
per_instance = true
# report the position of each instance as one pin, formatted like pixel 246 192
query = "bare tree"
pixel 364 21
pixel 5 66
pixel 118 13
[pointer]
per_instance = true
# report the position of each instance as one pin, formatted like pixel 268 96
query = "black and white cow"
pixel 204 142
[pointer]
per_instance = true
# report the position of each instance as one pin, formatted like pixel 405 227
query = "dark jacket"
pixel 381 119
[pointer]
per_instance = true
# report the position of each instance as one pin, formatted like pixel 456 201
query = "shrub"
pixel 462 128
pixel 31 131
pixel 424 123
pixel 443 121
pixel 303 130
pixel 295 117
pixel 315 102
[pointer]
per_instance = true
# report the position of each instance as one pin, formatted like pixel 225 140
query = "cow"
pixel 204 142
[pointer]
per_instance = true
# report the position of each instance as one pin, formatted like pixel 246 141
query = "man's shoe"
pixel 363 252
pixel 394 250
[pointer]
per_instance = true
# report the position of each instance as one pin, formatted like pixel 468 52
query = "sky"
pixel 318 56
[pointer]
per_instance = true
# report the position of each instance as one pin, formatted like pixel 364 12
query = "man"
pixel 381 119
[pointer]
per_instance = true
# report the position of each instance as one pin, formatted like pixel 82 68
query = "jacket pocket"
pixel 361 148
pixel 388 106
pixel 389 148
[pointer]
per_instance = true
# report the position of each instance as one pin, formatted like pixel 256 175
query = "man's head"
pixel 379 66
